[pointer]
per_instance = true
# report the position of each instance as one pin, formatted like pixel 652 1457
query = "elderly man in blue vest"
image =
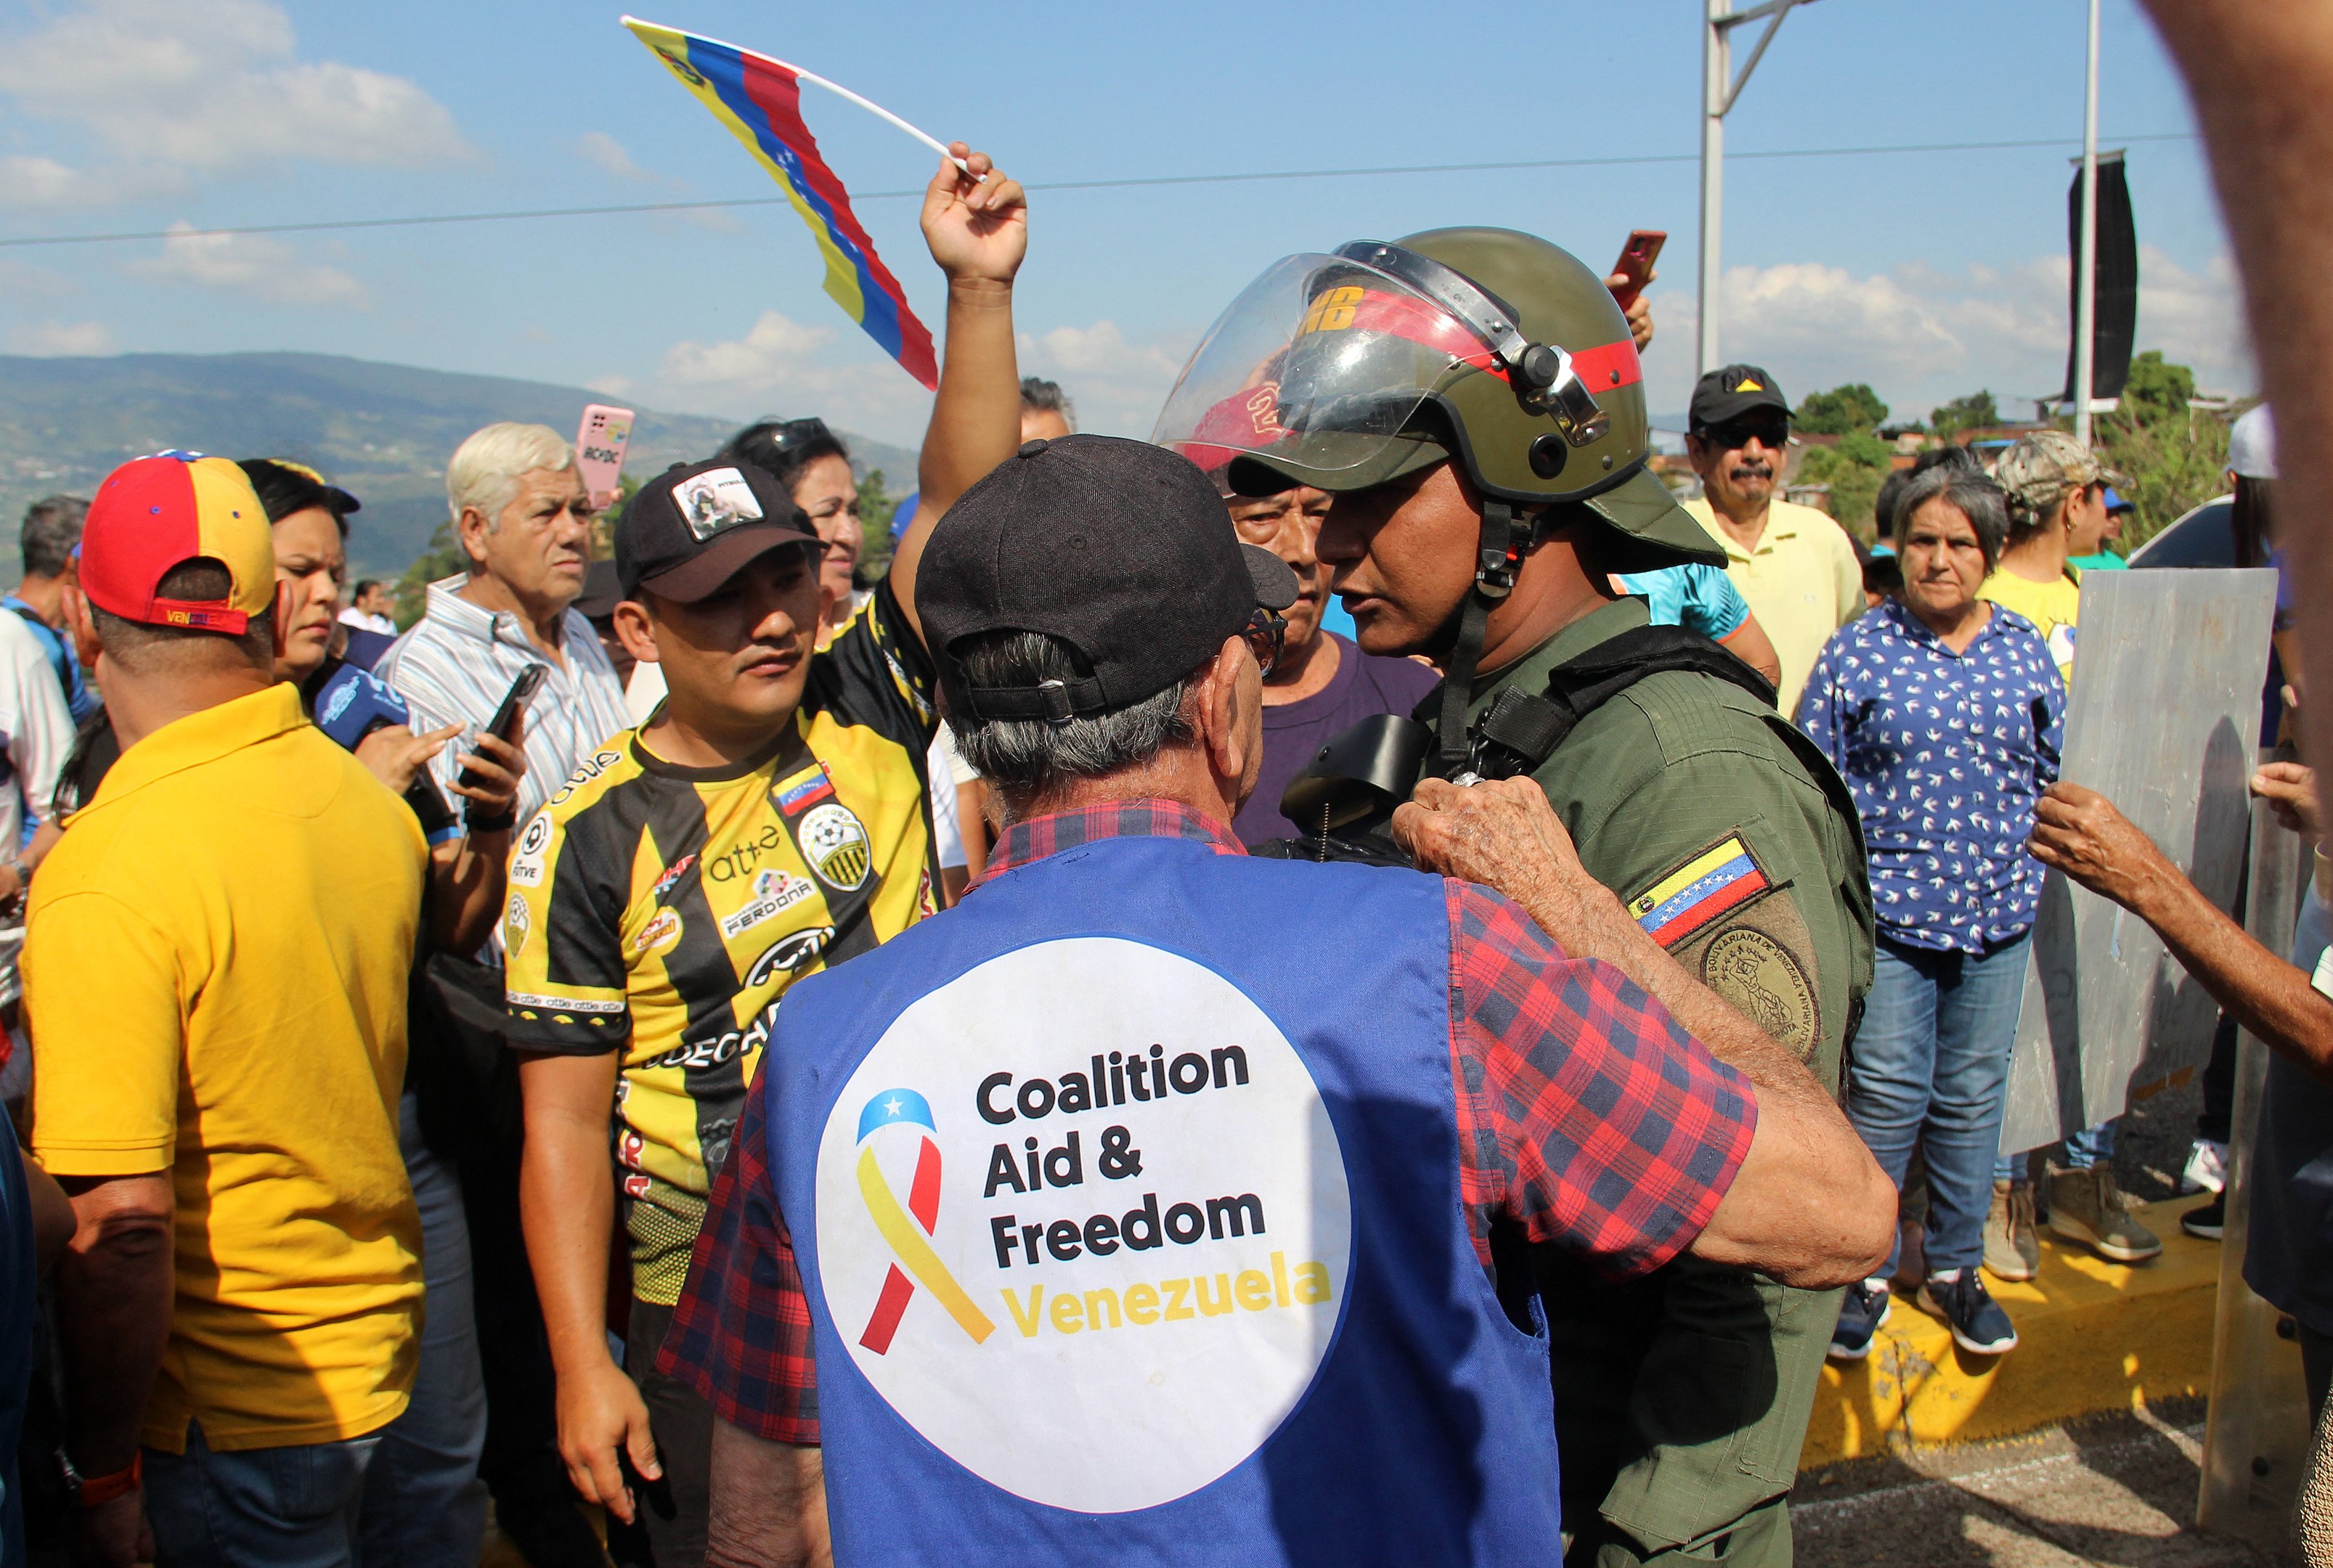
pixel 1162 1204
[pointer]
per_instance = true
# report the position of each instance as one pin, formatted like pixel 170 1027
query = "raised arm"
pixel 977 225
pixel 1809 1206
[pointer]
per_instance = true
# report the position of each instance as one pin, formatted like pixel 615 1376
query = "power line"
pixel 428 219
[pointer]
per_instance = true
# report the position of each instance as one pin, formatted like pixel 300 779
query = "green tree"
pixel 877 507
pixel 2175 457
pixel 1976 411
pixel 443 559
pixel 1854 469
pixel 1841 411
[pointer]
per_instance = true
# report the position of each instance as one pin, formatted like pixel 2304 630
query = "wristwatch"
pixel 95 1491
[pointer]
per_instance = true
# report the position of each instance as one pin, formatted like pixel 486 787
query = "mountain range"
pixel 382 432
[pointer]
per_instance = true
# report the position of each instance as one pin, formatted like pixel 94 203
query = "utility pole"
pixel 2086 279
pixel 1719 88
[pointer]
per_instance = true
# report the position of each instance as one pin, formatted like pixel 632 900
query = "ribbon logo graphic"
pixel 906 1107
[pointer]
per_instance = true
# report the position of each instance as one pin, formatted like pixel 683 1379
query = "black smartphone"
pixel 505 720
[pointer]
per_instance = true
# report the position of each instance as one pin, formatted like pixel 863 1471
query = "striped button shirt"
pixel 459 659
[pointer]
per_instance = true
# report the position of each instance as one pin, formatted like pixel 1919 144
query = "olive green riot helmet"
pixel 1488 347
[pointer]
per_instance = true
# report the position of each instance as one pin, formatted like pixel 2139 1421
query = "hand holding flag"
pixel 975 219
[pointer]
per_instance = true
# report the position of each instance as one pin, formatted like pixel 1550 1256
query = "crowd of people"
pixel 621 1129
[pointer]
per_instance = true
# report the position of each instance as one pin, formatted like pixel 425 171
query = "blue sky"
pixel 1925 274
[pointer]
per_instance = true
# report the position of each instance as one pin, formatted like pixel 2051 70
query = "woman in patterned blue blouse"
pixel 1944 713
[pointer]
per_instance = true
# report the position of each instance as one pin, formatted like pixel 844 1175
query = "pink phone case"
pixel 599 451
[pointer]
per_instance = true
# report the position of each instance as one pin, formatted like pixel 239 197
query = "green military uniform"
pixel 1682 1400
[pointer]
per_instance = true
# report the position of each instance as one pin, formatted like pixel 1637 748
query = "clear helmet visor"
pixel 1320 370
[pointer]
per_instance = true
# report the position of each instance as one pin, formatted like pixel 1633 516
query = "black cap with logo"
pixel 690 528
pixel 1118 549
pixel 1732 391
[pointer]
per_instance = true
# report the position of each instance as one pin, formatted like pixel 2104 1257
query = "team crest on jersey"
pixel 515 925
pixel 661 933
pixel 835 842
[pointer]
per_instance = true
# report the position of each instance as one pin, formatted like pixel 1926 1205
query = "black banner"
pixel 2116 320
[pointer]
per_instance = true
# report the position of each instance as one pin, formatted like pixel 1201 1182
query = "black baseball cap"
pixel 1732 391
pixel 690 528
pixel 1121 550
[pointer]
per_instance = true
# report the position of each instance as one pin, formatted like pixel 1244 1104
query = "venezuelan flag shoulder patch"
pixel 1723 877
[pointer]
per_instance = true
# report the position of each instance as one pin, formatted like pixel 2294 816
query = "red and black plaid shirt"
pixel 1584 1113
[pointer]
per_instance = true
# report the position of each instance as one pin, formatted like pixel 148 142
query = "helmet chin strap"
pixel 1505 536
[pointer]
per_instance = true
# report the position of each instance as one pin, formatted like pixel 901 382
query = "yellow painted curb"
pixel 2092 1336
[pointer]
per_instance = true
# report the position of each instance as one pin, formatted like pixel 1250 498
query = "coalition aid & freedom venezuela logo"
pixel 1083 1223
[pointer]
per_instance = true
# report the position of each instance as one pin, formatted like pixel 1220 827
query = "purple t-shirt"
pixel 1363 685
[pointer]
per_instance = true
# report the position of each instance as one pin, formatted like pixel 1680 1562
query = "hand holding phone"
pixel 1635 265
pixel 505 723
pixel 600 452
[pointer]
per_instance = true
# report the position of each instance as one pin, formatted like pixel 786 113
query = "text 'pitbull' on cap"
pixel 1119 549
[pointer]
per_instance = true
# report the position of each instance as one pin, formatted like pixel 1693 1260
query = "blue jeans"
pixel 424 1505
pixel 2083 1150
pixel 290 1508
pixel 1931 1064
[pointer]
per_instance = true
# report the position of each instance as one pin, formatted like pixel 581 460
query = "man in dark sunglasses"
pixel 1793 563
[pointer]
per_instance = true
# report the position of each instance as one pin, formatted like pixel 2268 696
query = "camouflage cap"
pixel 2040 470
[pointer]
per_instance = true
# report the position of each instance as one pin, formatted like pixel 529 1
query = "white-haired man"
pixel 519 513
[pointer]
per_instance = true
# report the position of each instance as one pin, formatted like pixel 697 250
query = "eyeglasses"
pixel 1267 634
pixel 1734 434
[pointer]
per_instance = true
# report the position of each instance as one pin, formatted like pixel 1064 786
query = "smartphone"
pixel 600 452
pixel 1635 263
pixel 505 720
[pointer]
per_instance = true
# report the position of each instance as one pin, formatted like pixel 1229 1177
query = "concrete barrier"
pixel 2092 1336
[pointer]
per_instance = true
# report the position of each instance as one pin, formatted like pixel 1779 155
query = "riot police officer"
pixel 1472 398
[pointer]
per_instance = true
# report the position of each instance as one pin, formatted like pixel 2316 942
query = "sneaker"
pixel 2084 1206
pixel 1979 1325
pixel 1866 1306
pixel 2013 1242
pixel 2207 1167
pixel 2206 1220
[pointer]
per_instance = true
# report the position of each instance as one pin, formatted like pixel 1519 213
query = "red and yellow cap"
pixel 155 513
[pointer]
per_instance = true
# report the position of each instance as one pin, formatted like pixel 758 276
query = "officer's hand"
pixel 2078 831
pixel 600 1410
pixel 1639 310
pixel 977 223
pixel 1506 836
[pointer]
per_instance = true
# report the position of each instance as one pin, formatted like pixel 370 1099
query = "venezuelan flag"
pixel 760 100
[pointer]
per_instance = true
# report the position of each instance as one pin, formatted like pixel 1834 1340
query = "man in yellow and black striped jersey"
pixel 768 819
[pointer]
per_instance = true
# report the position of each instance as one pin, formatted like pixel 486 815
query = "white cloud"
pixel 605 154
pixel 610 386
pixel 1922 334
pixel 1119 385
pixel 775 349
pixel 177 89
pixel 54 338
pixel 253 264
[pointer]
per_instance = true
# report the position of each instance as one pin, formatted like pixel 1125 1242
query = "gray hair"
pixel 486 468
pixel 1030 760
pixel 1967 491
pixel 51 528
pixel 1039 396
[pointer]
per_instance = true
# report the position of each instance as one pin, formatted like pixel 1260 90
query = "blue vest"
pixel 1125 1201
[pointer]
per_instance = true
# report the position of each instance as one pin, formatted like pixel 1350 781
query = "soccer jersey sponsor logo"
pixel 591 770
pixel 562 1004
pixel 671 877
pixel 661 934
pixel 526 865
pixel 775 893
pixel 788 953
pixel 835 842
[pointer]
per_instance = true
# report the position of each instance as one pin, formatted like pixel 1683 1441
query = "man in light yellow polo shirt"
pixel 1793 563
pixel 215 979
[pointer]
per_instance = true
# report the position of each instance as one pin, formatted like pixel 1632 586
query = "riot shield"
pixel 2162 721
